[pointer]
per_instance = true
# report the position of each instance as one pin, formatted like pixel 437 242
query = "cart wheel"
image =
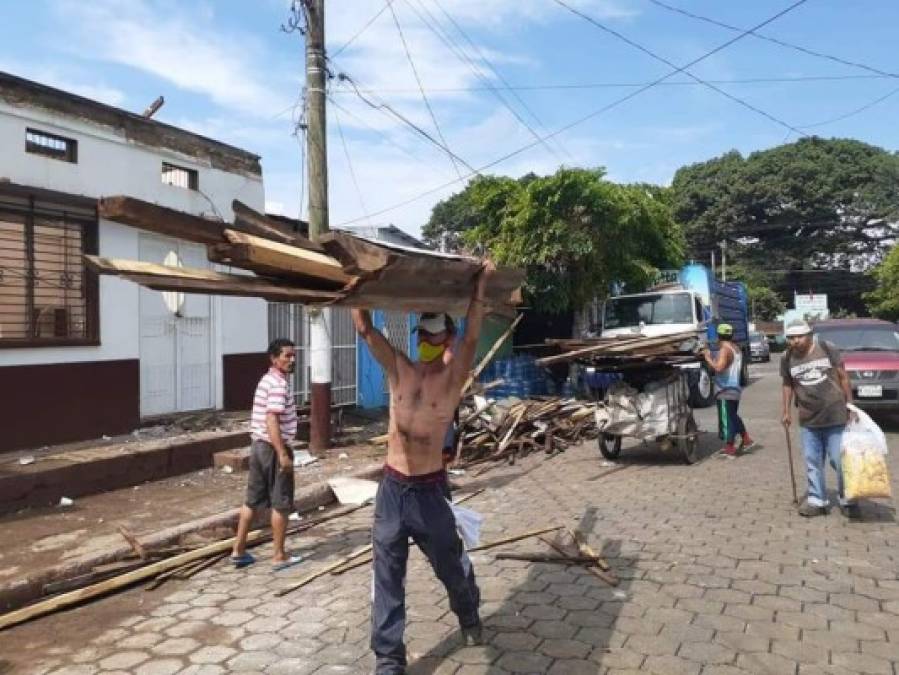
pixel 609 446
pixel 689 447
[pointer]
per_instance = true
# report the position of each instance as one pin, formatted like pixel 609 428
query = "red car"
pixel 870 349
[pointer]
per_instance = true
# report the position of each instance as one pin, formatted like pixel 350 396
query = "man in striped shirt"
pixel 273 425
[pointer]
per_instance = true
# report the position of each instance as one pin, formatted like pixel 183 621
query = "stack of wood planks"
pixel 340 269
pixel 626 351
pixel 506 430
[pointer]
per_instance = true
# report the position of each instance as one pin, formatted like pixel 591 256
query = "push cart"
pixel 669 421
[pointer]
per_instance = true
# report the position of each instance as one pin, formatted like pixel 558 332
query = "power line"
pixel 376 131
pixel 588 117
pixel 662 59
pixel 451 44
pixel 387 108
pixel 782 43
pixel 632 85
pixel 853 113
pixel 346 152
pixel 421 89
pixel 498 75
pixel 363 29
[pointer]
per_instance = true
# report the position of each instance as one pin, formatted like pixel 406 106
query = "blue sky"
pixel 228 71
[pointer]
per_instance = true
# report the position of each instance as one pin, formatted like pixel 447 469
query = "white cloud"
pixel 176 44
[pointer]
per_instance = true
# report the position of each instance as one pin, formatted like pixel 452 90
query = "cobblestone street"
pixel 718 575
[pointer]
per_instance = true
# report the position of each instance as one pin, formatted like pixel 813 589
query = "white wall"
pixel 108 164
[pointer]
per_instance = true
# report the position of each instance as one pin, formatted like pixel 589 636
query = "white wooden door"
pixel 176 372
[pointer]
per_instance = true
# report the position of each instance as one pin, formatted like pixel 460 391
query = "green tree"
pixel 883 301
pixel 574 233
pixel 816 203
pixel 764 303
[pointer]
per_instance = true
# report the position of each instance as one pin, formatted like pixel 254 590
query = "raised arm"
pixel 382 350
pixel 464 355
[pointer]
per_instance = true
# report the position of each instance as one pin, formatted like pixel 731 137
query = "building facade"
pixel 82 357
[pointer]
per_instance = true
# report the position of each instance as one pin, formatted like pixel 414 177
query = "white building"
pixel 79 356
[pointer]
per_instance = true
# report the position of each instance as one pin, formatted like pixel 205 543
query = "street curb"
pixel 45 482
pixel 23 591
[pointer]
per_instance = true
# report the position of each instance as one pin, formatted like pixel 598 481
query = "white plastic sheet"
pixel 468 523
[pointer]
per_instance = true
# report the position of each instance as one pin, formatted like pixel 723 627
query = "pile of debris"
pixel 511 428
pixel 623 353
pixel 340 269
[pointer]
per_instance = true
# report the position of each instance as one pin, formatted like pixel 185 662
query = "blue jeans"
pixel 818 443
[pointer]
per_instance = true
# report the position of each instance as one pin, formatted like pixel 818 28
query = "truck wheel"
pixel 609 446
pixel 702 393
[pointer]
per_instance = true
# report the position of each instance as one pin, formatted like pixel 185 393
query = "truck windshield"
pixel 860 338
pixel 661 308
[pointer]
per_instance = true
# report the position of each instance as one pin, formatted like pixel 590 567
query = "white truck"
pixel 692 301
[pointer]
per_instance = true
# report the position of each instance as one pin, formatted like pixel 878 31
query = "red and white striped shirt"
pixel 273 395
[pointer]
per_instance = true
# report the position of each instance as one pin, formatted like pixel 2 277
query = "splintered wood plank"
pixel 207 282
pixel 161 220
pixel 251 221
pixel 234 256
pixel 290 259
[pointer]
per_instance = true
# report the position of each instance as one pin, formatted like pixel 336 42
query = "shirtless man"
pixel 411 498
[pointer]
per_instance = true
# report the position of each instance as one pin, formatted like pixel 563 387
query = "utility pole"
pixel 723 246
pixel 317 169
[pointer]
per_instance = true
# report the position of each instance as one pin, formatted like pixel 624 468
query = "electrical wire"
pixel 853 113
pixel 349 162
pixel 421 89
pixel 363 29
pixel 782 43
pixel 588 117
pixel 375 130
pixel 630 85
pixel 662 59
pixel 483 57
pixel 387 108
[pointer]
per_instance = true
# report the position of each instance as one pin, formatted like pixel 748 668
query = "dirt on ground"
pixel 39 538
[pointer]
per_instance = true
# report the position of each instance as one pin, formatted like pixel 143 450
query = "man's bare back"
pixel 424 396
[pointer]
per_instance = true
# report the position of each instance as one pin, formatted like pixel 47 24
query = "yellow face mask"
pixel 428 352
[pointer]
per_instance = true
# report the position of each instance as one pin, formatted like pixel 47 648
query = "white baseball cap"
pixel 432 323
pixel 798 329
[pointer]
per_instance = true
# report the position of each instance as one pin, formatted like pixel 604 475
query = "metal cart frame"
pixel 682 429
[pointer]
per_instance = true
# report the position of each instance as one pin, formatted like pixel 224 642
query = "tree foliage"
pixel 820 203
pixel 573 232
pixel 764 303
pixel 883 301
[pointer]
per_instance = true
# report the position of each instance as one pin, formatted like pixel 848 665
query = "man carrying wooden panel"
pixel 411 499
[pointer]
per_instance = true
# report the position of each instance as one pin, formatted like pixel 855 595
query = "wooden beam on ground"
pixel 547 558
pixel 515 537
pixel 145 572
pixel 290 259
pixel 595 571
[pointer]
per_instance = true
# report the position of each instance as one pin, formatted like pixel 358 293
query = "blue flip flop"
pixel 243 560
pixel 290 562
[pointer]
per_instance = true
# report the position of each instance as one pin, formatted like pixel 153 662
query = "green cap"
pixel 725 330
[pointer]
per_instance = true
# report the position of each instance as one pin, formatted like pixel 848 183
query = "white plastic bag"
pixel 863 457
pixel 468 523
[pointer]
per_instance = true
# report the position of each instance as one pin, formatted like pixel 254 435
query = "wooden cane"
pixel 790 462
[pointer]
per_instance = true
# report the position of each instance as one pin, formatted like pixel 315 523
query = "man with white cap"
pixel 411 499
pixel 813 374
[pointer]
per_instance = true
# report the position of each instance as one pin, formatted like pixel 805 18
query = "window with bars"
pixel 47 297
pixel 50 145
pixel 180 176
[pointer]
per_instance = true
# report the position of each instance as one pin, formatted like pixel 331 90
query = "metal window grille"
pixel 292 322
pixel 46 294
pixel 180 176
pixel 50 145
